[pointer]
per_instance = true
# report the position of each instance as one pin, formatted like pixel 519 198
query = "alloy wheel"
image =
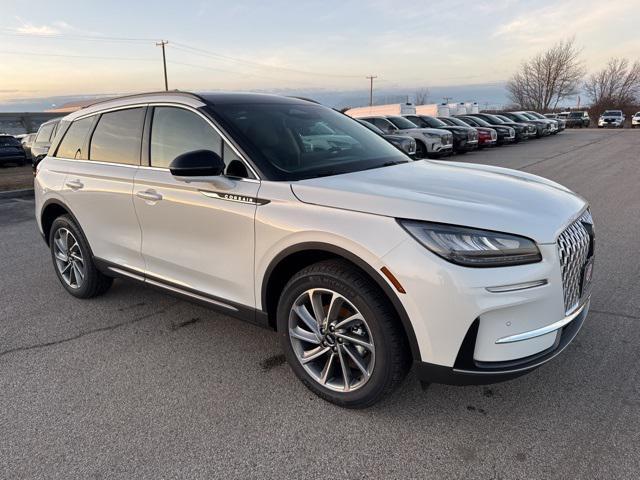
pixel 331 340
pixel 68 258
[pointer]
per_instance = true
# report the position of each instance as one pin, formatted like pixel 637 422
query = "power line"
pixel 162 43
pixel 66 36
pixel 48 54
pixel 200 51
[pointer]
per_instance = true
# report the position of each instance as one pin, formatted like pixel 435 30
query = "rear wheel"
pixel 73 261
pixel 340 335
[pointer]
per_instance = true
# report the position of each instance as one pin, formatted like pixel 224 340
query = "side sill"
pixel 236 310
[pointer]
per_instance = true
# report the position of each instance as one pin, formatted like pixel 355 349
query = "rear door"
pixel 197 236
pixel 103 155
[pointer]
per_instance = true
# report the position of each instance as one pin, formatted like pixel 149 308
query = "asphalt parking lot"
pixel 139 384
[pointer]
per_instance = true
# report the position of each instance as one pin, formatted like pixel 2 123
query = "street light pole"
pixel 370 78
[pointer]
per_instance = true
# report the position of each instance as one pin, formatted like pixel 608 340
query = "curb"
pixel 23 193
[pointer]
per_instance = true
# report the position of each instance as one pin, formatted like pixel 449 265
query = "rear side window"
pixel 73 142
pixel 118 136
pixel 44 134
pixel 175 131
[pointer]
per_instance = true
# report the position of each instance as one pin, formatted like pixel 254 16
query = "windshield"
pixel 479 122
pixel 503 118
pixel 371 127
pixel 455 122
pixel 299 141
pixel 537 115
pixel 493 118
pixel 432 122
pixel 519 117
pixel 613 113
pixel 401 122
pixel 575 115
pixel 8 141
pixel 528 116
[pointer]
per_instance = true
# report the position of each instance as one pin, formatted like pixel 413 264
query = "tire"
pixel 421 150
pixel 387 359
pixel 80 278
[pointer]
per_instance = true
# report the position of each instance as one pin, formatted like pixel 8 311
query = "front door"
pixel 197 236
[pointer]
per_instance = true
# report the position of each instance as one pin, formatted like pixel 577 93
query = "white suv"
pixel 364 261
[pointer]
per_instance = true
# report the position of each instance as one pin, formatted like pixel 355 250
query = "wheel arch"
pixel 52 209
pixel 294 258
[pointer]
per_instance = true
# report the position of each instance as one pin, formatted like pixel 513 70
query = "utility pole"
pixel 370 78
pixel 446 99
pixel 162 43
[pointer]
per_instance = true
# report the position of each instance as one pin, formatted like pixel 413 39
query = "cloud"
pixel 31 29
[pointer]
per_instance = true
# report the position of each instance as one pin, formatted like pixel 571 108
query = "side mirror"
pixel 198 163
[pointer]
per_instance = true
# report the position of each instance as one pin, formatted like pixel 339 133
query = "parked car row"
pixel 438 137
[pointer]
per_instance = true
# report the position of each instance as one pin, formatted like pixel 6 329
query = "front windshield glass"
pixel 528 116
pixel 433 122
pixel 371 127
pixel 477 121
pixel 7 141
pixel 299 141
pixel 503 118
pixel 613 113
pixel 454 121
pixel 494 119
pixel 575 115
pixel 402 123
pixel 537 115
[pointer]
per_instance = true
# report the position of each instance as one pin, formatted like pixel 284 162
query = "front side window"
pixel 175 131
pixel 73 142
pixel 298 141
pixel 118 136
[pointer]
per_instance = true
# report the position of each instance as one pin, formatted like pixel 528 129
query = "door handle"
pixel 74 184
pixel 149 195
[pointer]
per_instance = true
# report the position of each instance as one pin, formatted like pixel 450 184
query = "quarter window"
pixel 117 137
pixel 44 134
pixel 73 142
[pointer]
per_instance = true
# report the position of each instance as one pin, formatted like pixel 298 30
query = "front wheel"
pixel 340 335
pixel 73 261
pixel 421 150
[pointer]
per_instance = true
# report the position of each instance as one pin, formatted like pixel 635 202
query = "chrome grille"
pixel 574 247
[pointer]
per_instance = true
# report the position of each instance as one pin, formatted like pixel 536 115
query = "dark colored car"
pixel 557 123
pixel 11 151
pixel 521 131
pixel 578 120
pixel 487 137
pixel 44 137
pixel 465 138
pixel 542 127
pixel 403 142
pixel 505 133
pixel 26 142
pixel 530 128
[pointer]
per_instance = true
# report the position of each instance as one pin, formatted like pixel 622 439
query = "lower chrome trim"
pixel 126 273
pixel 544 330
pixel 517 286
pixel 190 294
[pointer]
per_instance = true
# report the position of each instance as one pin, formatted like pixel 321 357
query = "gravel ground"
pixel 137 384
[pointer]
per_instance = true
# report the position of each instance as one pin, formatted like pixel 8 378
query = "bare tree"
pixel 422 96
pixel 617 85
pixel 548 78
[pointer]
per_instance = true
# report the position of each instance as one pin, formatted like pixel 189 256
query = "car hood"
pixel 466 194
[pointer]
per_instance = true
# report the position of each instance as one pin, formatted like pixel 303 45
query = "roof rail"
pixel 144 94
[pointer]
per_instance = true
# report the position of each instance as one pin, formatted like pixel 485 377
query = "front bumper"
pixel 461 316
pixel 468 372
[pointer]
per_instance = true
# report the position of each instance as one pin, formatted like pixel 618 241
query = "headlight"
pixel 471 247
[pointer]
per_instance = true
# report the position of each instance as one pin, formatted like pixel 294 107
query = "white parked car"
pixel 363 261
pixel 635 120
pixel 430 142
pixel 611 118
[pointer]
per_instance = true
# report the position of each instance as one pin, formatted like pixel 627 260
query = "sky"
pixel 67 48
